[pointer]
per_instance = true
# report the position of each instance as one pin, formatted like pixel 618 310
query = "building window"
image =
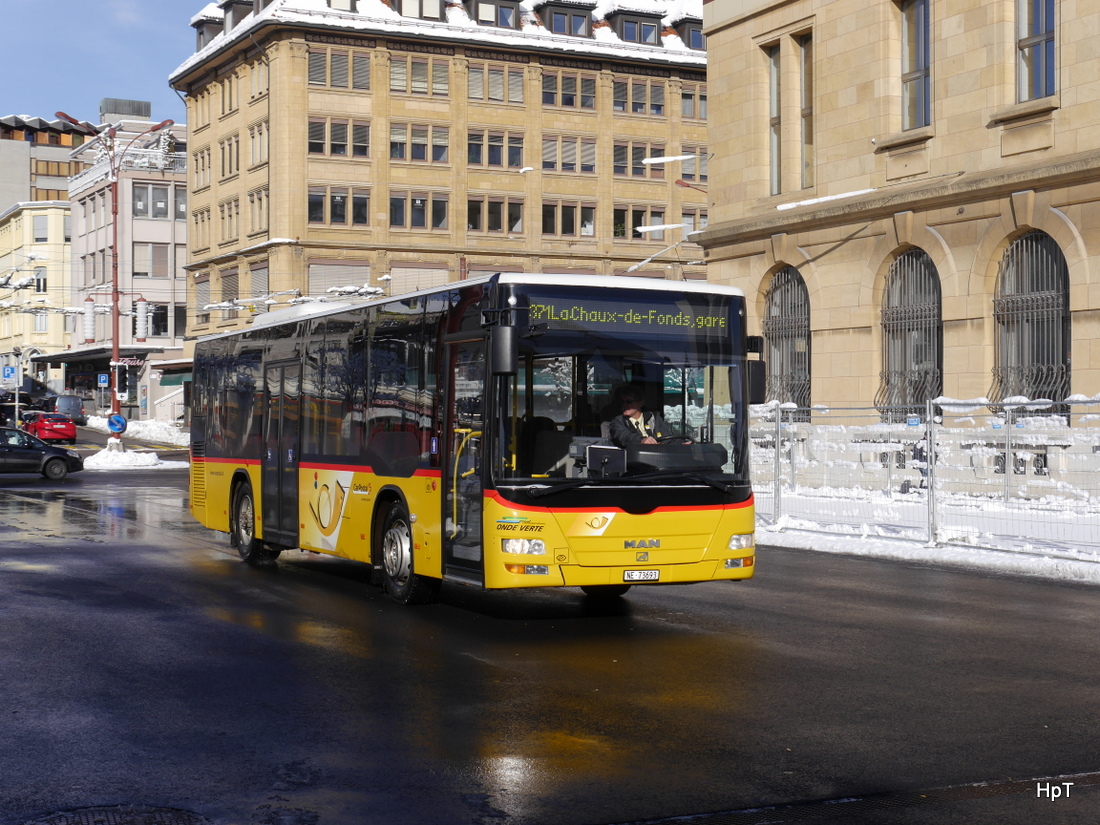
pixel 495 84
pixel 41 322
pixel 639 97
pixel 568 219
pixel 257 143
pixel 258 76
pixel 338 206
pixel 694 220
pixel 419 143
pixel 40 283
pixel 418 210
pixel 629 159
pixel 633 222
pixel 180 198
pixel 199 236
pixel 339 138
pixel 1031 313
pixel 569 90
pixel 201 166
pixel 420 76
pixel 202 300
pixel 492 213
pixel 489 148
pixel 912 337
pixel 775 122
pixel 230 150
pixel 228 213
pixel 639 30
pixel 1036 46
pixel 339 69
pixel 151 201
pixel 423 9
pixel 695 168
pixel 693 37
pixel 257 208
pixel 571 22
pixel 150 260
pixel 157 319
pixel 915 62
pixel 41 226
pixel 499 13
pixel 229 94
pixel 569 154
pixel 787 332
pixel 806 96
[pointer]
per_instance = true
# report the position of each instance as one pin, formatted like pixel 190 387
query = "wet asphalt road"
pixel 142 663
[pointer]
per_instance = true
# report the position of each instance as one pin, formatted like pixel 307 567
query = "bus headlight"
pixel 742 541
pixel 530 547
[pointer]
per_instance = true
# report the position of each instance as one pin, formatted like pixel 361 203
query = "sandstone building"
pixel 357 142
pixel 909 193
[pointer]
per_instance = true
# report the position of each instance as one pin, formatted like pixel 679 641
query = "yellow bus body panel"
pixel 593 547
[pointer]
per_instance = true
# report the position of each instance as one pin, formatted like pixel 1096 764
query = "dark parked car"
pixel 70 405
pixel 23 453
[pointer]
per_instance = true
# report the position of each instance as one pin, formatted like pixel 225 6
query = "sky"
pixel 68 55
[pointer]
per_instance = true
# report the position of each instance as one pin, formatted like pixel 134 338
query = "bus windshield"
pixel 679 355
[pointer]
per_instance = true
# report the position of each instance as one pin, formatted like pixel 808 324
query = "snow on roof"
pixel 378 18
pixel 210 12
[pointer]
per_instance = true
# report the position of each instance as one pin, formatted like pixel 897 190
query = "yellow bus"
pixel 467 433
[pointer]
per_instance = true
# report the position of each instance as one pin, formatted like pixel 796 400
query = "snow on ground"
pixel 155 432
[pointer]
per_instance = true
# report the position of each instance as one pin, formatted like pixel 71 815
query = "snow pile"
pixel 156 432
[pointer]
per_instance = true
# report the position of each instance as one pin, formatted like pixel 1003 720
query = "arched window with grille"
pixel 787 332
pixel 1031 313
pixel 912 337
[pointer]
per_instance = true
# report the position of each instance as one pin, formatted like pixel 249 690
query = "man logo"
pixel 634 543
pixel 643 556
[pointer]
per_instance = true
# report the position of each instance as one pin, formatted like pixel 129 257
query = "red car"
pixel 50 426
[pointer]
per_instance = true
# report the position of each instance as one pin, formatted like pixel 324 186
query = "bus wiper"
pixel 721 486
pixel 536 491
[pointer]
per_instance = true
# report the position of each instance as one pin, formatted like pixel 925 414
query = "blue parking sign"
pixel 104 379
pixel 9 374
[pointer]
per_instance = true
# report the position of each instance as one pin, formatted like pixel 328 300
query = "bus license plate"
pixel 641 575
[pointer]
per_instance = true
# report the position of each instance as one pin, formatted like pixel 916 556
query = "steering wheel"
pixel 674 439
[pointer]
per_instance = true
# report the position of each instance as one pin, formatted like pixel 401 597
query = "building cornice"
pixel 954 189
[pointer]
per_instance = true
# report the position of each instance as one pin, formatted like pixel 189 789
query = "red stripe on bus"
pixel 500 500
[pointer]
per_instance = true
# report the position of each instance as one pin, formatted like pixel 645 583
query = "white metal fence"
pixel 1016 476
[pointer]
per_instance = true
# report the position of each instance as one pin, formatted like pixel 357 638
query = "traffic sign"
pixel 116 424
pixel 11 376
pixel 104 379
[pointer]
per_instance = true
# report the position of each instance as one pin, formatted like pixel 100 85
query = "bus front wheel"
pixel 403 584
pixel 243 534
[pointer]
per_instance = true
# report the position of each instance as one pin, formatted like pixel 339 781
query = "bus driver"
pixel 634 426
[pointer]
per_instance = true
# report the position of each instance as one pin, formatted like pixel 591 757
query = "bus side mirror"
pixel 758 381
pixel 505 350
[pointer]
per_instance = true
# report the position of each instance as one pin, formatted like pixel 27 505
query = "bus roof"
pixel 300 312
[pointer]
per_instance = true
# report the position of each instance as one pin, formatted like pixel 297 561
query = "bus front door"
pixel 462 500
pixel 280 457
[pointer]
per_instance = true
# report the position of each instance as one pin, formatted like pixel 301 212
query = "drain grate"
pixel 121 815
pixel 836 809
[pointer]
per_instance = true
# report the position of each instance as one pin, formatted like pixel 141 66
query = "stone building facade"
pixel 909 193
pixel 405 145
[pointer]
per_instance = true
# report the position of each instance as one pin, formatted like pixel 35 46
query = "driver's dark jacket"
pixel 624 432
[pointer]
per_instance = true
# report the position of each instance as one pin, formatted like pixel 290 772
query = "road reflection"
pixel 535 693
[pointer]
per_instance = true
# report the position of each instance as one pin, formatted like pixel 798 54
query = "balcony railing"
pixel 134 159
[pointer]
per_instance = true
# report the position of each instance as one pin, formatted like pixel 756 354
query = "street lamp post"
pixel 115 159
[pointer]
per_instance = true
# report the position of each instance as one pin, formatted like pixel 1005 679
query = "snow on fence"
pixel 1020 475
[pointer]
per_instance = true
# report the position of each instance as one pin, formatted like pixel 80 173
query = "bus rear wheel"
pixel 605 591
pixel 402 583
pixel 243 532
